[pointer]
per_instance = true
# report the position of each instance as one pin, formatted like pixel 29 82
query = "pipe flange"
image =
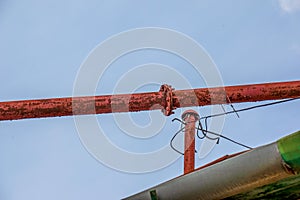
pixel 167 101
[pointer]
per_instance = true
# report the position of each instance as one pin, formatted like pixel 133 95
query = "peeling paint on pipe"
pixel 190 117
pixel 166 100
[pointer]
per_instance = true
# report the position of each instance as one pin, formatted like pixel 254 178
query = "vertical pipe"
pixel 190 117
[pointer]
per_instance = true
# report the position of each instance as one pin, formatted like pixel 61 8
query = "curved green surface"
pixel 288 188
pixel 289 148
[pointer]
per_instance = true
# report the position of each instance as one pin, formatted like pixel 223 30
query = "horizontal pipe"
pixel 239 94
pixel 167 100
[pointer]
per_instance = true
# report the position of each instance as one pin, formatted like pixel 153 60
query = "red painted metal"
pixel 238 94
pixel 220 160
pixel 166 99
pixel 190 117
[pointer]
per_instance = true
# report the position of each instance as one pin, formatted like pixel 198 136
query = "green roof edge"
pixel 289 148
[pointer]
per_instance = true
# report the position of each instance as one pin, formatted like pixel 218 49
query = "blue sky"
pixel 43 44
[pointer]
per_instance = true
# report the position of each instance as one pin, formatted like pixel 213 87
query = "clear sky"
pixel 44 43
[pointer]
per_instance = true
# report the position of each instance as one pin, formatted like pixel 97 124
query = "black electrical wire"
pixel 249 108
pixel 205 131
pixel 222 136
pixel 174 136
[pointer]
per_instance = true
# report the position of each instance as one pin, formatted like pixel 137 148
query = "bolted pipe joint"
pixel 168 99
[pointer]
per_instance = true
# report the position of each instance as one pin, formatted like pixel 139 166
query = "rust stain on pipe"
pixel 57 107
pixel 166 99
pixel 190 117
pixel 239 94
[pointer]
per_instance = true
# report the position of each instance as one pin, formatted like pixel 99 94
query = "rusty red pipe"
pixel 190 117
pixel 166 99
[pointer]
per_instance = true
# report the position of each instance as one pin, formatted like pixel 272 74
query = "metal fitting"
pixel 190 112
pixel 168 99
